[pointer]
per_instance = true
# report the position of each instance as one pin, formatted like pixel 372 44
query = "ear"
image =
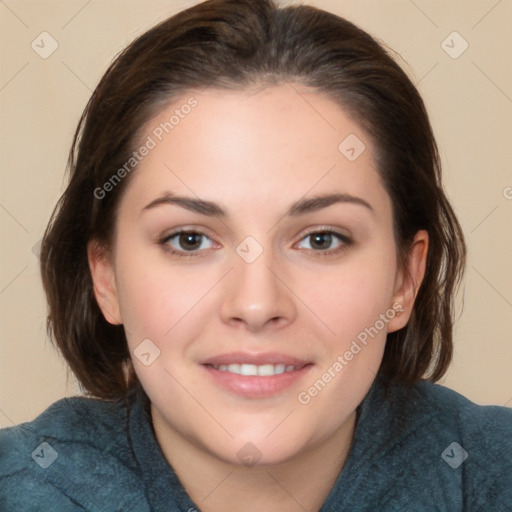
pixel 103 278
pixel 408 281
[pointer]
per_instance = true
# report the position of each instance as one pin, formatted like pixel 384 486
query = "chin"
pixel 262 446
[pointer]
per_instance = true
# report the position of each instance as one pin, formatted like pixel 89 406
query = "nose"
pixel 256 296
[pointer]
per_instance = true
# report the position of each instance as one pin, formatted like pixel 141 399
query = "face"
pixel 255 271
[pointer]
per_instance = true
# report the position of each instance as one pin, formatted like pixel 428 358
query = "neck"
pixel 301 483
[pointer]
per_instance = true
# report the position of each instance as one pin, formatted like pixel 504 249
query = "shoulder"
pixel 463 448
pixel 455 414
pixel 75 445
pixel 93 424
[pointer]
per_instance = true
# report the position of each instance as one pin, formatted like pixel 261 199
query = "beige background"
pixel 469 99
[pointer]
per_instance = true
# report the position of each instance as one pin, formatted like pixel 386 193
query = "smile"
pixel 264 370
pixel 256 376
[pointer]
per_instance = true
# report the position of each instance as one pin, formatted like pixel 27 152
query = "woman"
pixel 252 273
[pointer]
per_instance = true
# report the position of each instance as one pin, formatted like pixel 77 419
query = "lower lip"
pixel 253 386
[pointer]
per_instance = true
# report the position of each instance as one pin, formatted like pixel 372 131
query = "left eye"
pixel 324 241
pixel 188 241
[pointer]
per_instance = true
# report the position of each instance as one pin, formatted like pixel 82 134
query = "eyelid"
pixel 172 234
pixel 184 229
pixel 326 229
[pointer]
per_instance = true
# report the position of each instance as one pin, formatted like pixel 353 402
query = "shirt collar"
pixel 164 491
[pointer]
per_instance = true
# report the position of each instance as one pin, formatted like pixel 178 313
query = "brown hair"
pixel 236 44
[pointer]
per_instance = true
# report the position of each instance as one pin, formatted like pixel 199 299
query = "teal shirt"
pixel 424 448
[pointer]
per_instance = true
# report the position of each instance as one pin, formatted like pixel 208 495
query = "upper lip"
pixel 256 359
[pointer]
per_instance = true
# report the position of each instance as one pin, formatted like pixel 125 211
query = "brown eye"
pixel 325 242
pixel 321 241
pixel 187 243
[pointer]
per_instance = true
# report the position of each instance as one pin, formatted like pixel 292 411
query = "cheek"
pixel 145 294
pixel 353 295
pixel 142 300
pixel 355 302
pixel 159 301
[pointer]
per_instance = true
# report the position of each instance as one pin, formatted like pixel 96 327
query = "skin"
pixel 255 153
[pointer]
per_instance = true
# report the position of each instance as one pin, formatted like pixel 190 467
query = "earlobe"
pixel 409 282
pixel 103 278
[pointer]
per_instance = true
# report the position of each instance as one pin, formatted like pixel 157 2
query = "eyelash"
pixel 344 239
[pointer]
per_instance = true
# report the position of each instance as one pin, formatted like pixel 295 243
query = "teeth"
pixel 234 368
pixel 248 369
pixel 264 370
pixel 279 368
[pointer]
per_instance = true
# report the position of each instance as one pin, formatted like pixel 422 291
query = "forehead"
pixel 277 143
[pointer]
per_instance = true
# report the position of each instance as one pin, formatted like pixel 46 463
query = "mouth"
pixel 256 375
pixel 247 369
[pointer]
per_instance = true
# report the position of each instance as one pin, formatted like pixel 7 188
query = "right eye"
pixel 186 243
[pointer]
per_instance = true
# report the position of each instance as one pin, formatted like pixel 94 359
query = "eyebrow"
pixel 301 207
